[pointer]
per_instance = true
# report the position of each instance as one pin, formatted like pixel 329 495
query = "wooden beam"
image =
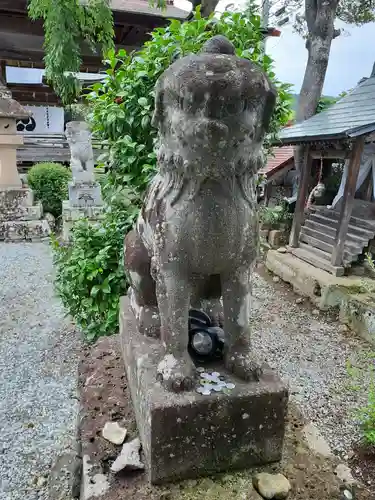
pixel 301 198
pixel 329 154
pixel 348 201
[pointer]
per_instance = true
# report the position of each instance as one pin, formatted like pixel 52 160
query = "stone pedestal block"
pixel 71 214
pixel 85 194
pixel 187 435
pixel 20 217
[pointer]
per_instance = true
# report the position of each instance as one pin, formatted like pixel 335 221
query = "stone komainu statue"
pixel 78 136
pixel 197 235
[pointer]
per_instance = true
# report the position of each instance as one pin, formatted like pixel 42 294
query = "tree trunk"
pixel 207 6
pixel 320 16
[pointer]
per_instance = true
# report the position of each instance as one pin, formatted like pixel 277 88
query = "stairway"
pixel 317 239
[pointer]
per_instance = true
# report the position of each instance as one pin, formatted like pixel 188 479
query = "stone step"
pixel 327 248
pixel 335 215
pixel 331 232
pixel 304 253
pixel 354 247
pixel 352 229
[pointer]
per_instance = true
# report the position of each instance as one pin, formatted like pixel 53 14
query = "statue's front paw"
pixel 243 364
pixel 176 375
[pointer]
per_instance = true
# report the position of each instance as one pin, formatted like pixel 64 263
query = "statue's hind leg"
pixel 142 292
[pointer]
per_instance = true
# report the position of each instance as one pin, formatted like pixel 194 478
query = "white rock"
pixel 272 486
pixel 344 473
pixel 41 481
pixel 315 312
pixel 276 279
pixel 114 433
pixel 282 250
pixel 347 495
pixel 129 457
pixel 315 440
pixel 299 300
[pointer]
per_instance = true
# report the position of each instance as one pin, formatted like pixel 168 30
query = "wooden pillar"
pixel 348 201
pixel 301 198
pixel 369 190
pixel 3 76
pixel 267 193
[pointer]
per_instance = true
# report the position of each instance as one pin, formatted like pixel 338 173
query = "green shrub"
pixel 49 181
pixel 90 274
pixel 366 416
pixel 274 217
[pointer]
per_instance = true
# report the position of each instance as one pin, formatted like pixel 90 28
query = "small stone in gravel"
pixel 347 495
pixel 114 433
pixel 129 457
pixel 40 482
pixel 272 486
pixel 315 312
pixel 276 279
pixel 343 328
pixel 299 300
pixel 282 250
pixel 344 473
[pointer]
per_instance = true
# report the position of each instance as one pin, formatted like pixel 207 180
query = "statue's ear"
pixel 269 107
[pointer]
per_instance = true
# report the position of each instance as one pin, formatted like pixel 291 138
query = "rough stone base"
pixel 322 288
pixel 358 311
pixel 20 230
pixel 85 194
pixel 190 435
pixel 18 204
pixel 71 214
pixel 104 396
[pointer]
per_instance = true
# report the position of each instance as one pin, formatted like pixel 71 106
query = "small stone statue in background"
pixel 78 136
pixel 85 198
pixel 197 235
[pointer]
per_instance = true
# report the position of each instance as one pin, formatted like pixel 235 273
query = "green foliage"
pixel 122 105
pixel 274 217
pixel 366 416
pixel 49 182
pixel 90 272
pixel 325 102
pixel 70 25
pixel 362 374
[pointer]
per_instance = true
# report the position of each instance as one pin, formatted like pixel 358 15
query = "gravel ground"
pixel 309 352
pixel 38 365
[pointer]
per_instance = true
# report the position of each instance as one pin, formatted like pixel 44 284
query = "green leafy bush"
pixel 366 417
pixel 49 181
pixel 274 217
pixel 90 273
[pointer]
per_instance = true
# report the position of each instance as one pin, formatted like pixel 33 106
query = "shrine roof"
pixel 350 117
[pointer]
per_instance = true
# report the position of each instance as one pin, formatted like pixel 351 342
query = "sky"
pixel 352 56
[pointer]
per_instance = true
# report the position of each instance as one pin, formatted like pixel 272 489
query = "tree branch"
pixel 311 11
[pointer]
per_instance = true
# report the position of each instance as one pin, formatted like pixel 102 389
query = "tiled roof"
pixel 279 159
pixel 352 116
pixel 143 7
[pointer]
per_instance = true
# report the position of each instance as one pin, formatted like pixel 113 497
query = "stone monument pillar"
pixel 85 199
pixel 193 248
pixel 20 217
